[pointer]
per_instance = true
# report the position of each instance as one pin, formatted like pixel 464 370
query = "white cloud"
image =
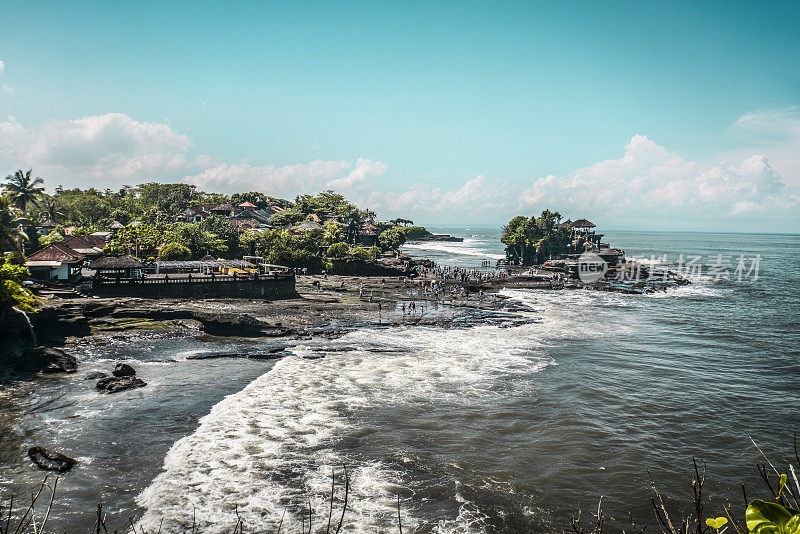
pixel 290 179
pixel 651 186
pixel 648 186
pixel 2 67
pixel 113 149
pixel 774 131
pixel 478 199
pixel 101 150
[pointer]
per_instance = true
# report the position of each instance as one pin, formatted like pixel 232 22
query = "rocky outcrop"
pixel 49 460
pixel 123 369
pixel 54 324
pixel 46 360
pixel 389 267
pixel 242 325
pixel 115 384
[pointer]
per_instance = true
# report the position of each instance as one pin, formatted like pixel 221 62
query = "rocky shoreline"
pixel 325 306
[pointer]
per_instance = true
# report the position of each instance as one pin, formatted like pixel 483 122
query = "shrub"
pixel 12 293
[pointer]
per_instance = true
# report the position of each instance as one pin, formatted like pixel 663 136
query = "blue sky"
pixel 447 111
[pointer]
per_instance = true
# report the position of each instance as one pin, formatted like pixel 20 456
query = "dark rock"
pixel 49 460
pixel 96 375
pixel 47 360
pixel 215 355
pixel 242 325
pixel 123 369
pixel 268 356
pixel 114 384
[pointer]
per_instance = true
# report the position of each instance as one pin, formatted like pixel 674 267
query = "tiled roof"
pixel 56 252
pixel 85 244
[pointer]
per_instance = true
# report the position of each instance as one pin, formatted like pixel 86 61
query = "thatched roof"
pixel 583 223
pixel 208 257
pixel 368 229
pixel 308 225
pixel 111 262
pixel 116 225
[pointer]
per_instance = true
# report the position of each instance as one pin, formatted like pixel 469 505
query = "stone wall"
pixel 262 288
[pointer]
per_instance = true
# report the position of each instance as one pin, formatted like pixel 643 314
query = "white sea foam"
pixel 272 446
pixel 469 247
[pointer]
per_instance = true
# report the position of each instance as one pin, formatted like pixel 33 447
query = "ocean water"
pixel 486 428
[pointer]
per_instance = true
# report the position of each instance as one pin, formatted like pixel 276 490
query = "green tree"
pixel 260 200
pixel 12 233
pixel 198 241
pixel 391 239
pixel 168 199
pixel 56 235
pixel 531 241
pixel 224 231
pixel 84 207
pixel 287 217
pixel 338 250
pixel 174 251
pixel 24 189
pixel 49 208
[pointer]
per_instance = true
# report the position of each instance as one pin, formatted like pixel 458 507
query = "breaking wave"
pixel 270 449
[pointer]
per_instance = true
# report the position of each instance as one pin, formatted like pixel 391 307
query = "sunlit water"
pixel 481 429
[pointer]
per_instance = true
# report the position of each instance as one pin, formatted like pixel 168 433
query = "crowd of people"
pixel 459 274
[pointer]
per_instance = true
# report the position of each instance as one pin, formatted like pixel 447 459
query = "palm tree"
pixel 12 233
pixel 50 209
pixel 24 189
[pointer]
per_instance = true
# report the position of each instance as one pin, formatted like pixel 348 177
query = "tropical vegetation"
pixel 145 223
pixel 531 241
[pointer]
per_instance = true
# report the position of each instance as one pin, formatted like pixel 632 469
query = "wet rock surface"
pixel 46 360
pixel 115 384
pixel 50 460
pixel 123 369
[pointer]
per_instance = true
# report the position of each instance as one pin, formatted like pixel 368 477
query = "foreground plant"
pixel 777 516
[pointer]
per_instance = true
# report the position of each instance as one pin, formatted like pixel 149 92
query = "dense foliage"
pixel 145 221
pixel 530 241
pixel 12 292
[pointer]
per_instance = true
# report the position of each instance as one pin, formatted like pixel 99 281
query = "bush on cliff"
pixel 413 232
pixel 12 292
